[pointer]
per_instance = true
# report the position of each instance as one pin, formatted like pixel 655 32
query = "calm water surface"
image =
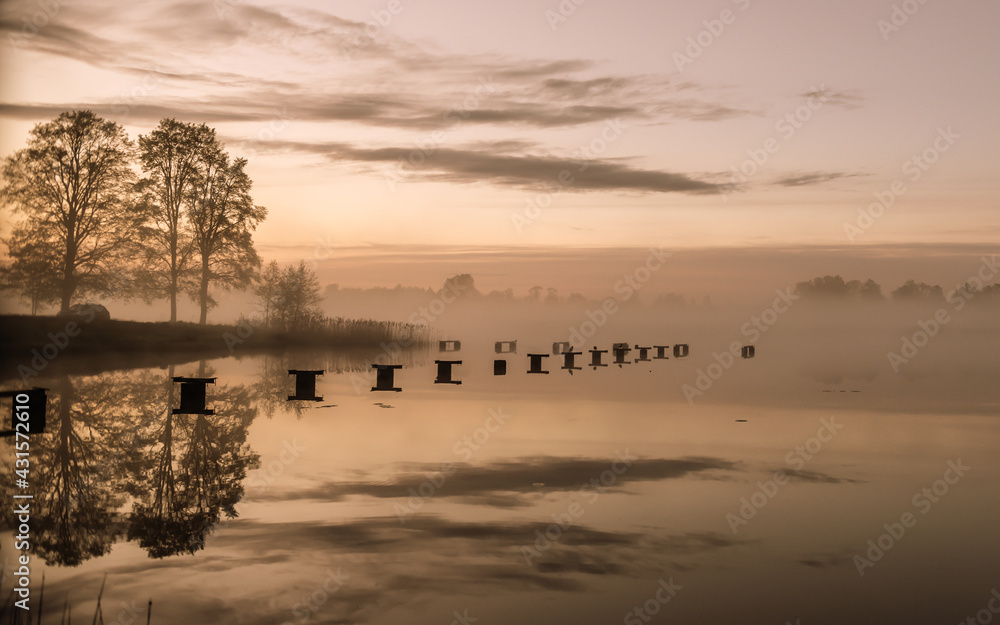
pixel 599 497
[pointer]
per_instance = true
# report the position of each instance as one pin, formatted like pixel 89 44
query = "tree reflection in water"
pixel 193 472
pixel 114 441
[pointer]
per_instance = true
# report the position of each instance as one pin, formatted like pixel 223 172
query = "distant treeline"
pixel 463 287
pixel 826 288
pixel 836 288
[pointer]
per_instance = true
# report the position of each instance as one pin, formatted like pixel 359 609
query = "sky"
pixel 458 128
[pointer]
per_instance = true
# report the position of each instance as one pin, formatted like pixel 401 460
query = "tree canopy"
pixel 73 185
pixel 89 227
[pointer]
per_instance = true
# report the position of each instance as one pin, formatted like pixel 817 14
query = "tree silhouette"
pixel 223 217
pixel 72 183
pixel 170 156
pixel 34 270
pixel 289 297
pixel 115 436
pixel 461 286
pixel 918 291
pixel 76 496
pixel 869 290
pixel 194 470
pixel 267 288
pixel 834 287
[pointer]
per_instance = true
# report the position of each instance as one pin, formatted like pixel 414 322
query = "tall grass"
pixel 343 332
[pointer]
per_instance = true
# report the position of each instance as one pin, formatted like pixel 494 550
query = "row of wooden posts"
pixel 193 396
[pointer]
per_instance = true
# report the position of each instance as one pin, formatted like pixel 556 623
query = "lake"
pixel 775 489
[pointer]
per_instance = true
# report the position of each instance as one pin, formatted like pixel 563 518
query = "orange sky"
pixel 477 125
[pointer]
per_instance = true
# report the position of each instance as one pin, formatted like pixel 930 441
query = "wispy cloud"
pixel 508 484
pixel 813 178
pixel 480 165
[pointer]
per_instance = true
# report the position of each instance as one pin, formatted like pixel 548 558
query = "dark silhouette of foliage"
pixel 289 298
pixel 72 185
pixel 198 216
pixel 33 271
pixel 834 287
pixel 223 217
pixel 193 473
pixel 918 292
pixel 76 474
pixel 169 156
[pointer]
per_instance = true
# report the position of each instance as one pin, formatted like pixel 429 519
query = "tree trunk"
pixel 203 294
pixel 67 287
pixel 173 280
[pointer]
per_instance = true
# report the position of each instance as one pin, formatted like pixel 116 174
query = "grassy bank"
pixel 67 344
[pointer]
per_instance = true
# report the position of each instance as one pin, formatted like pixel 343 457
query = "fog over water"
pixel 750 490
pixel 488 313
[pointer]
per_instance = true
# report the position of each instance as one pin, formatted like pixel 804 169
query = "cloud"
pixel 229 61
pixel 481 165
pixel 848 100
pixel 507 484
pixel 802 180
pixel 817 477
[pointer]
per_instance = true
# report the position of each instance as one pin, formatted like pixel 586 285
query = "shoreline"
pixel 47 344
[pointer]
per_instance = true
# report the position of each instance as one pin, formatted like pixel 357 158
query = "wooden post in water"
pixel 193 396
pixel 384 377
pixel 595 357
pixel 569 361
pixel 536 363
pixel 444 371
pixel 305 385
